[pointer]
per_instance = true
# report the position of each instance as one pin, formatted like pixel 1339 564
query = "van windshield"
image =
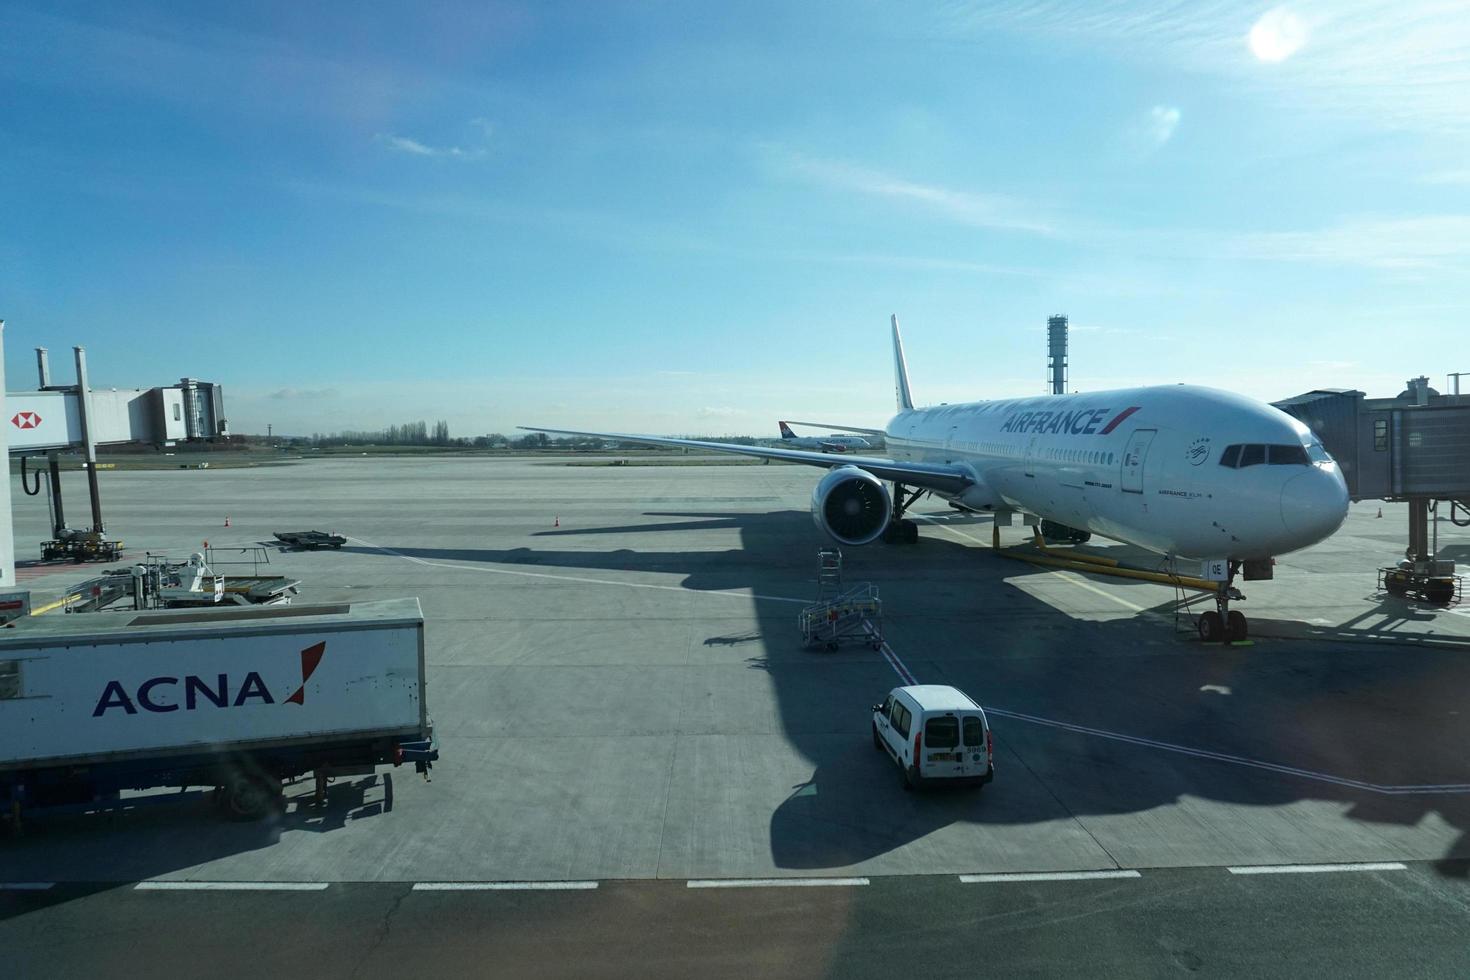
pixel 974 731
pixel 942 733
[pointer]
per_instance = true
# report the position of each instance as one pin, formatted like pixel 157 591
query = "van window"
pixel 887 706
pixel 942 732
pixel 900 720
pixel 974 731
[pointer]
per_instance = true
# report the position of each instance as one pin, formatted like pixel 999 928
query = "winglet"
pixel 900 371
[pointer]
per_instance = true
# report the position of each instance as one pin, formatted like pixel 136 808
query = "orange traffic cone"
pixel 556 522
pixel 1380 512
pixel 227 520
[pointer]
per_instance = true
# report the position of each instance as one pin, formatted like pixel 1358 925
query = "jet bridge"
pixel 1413 448
pixel 70 417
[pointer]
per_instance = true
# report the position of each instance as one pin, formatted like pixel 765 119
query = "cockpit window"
pixel 1252 455
pixel 1317 453
pixel 1230 457
pixel 1288 456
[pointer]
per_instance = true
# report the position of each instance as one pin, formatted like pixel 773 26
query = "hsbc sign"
pixel 25 420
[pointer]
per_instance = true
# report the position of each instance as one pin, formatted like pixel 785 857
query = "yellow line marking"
pixel 1060 573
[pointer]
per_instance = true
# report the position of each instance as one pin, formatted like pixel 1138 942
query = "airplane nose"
pixel 1313 505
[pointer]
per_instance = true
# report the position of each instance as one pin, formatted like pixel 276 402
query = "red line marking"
pixel 1114 423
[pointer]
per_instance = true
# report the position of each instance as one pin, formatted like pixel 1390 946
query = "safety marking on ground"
pixel 1431 789
pixel 1048 876
pixel 503 886
pixel 775 882
pixel 899 667
pixel 1306 869
pixel 1061 574
pixel 26 886
pixel 230 886
pixel 578 579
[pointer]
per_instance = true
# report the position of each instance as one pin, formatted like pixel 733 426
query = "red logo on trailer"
pixel 25 420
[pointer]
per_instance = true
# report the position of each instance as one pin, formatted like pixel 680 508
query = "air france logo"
pixel 161 694
pixel 1078 423
pixel 1198 451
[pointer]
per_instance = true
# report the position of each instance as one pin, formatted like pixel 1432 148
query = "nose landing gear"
pixel 1223 624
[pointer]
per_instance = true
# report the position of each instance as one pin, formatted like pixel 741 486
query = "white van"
pixel 934 731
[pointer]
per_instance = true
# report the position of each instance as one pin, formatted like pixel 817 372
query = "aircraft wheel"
pixel 910 531
pixel 1235 622
pixel 1211 627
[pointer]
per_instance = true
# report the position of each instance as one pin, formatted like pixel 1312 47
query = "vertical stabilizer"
pixel 900 371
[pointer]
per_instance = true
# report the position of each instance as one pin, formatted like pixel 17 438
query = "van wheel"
pixel 910 779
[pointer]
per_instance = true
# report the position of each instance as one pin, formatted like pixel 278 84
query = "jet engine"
pixel 851 505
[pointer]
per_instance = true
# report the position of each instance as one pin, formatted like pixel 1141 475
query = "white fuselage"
pixel 826 444
pixel 1140 465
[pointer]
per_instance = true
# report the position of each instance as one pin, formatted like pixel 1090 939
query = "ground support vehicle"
pixel 310 540
pixel 230 700
pixel 854 615
pixel 935 733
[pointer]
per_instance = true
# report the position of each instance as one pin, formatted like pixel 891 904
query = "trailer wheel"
pixel 249 797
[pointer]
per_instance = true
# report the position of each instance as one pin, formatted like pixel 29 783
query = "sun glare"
pixel 1277 35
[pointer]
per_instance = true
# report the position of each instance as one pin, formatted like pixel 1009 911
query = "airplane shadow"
pixel 1382 714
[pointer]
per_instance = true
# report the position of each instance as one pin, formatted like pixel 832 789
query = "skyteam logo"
pixel 1198 451
pixel 161 694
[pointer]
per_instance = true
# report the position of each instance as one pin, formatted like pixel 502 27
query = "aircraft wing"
pixel 931 476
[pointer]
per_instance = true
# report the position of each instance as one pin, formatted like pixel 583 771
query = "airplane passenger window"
pixel 1252 455
pixel 1288 456
pixel 1230 457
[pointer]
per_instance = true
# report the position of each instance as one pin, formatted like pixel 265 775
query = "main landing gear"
pixel 902 530
pixel 1223 624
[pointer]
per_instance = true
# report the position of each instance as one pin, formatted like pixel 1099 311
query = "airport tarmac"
pixel 619 690
pixel 620 694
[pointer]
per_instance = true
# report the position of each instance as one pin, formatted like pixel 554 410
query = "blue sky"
pixel 684 217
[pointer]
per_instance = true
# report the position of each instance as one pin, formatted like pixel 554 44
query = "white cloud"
pixel 1162 121
pixel 415 147
pixel 982 210
pixel 1421 243
pixel 1448 177
pixel 1277 35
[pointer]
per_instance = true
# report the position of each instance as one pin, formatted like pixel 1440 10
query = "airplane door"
pixel 1133 458
pixel 1030 460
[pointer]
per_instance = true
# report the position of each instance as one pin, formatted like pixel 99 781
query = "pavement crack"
pixel 381 934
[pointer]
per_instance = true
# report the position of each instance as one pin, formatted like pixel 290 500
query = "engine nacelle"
pixel 851 505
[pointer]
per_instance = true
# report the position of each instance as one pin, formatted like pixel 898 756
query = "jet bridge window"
pixel 9 679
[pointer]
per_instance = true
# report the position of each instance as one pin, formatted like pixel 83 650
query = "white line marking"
pixel 1061 573
pixel 231 886
pixel 774 882
pixel 1236 760
pixel 1049 876
pixel 576 578
pixel 1306 869
pixel 899 667
pixel 503 886
pixel 25 886
pixel 1436 789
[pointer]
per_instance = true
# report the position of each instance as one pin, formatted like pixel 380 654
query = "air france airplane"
pixel 1186 471
pixel 827 444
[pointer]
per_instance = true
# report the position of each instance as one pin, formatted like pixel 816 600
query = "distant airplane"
pixel 834 443
pixel 1186 471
